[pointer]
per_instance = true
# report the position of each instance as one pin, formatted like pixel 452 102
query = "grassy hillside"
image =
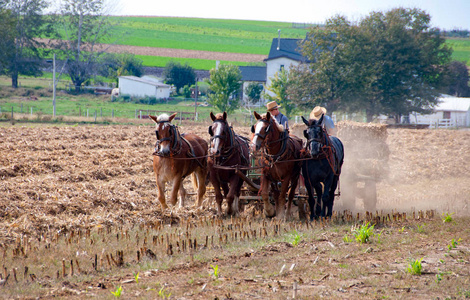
pixel 253 37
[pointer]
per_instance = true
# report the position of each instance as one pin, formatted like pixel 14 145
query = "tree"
pixel 82 25
pixel 21 22
pixel 253 92
pixel 224 82
pixel 179 75
pixel 388 63
pixel 457 80
pixel 279 86
pixel 122 64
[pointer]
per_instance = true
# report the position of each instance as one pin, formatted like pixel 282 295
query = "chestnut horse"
pixel 177 156
pixel 228 154
pixel 321 172
pixel 280 163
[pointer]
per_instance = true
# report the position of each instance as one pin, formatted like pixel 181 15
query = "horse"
pixel 280 162
pixel 177 156
pixel 321 172
pixel 228 154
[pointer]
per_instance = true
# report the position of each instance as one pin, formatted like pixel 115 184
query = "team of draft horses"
pixel 227 158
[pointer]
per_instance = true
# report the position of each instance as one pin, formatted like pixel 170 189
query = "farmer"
pixel 273 108
pixel 327 123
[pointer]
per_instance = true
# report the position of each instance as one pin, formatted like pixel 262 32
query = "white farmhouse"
pixel 450 112
pixel 143 87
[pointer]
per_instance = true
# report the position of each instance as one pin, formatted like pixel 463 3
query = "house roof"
pixel 289 48
pixel 146 80
pixel 450 103
pixel 252 73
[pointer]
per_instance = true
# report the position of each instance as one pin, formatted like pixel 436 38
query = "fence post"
pixel 21 108
pixel 87 112
pixel 112 113
pixel 95 115
pixel 12 112
pixel 31 111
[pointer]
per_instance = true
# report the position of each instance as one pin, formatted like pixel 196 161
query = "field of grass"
pixel 253 37
pixel 197 64
pixel 461 49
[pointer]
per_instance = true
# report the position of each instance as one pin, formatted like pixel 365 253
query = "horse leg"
pixel 281 201
pixel 318 202
pixel 331 198
pixel 201 175
pixel 268 208
pixel 161 193
pixel 177 181
pixel 294 181
pixel 232 206
pixel 326 201
pixel 225 187
pixel 240 206
pixel 183 195
pixel 218 197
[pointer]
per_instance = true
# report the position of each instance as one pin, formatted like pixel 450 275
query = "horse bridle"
pixel 173 134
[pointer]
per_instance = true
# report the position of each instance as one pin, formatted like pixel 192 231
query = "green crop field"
pixel 252 37
pixel 461 49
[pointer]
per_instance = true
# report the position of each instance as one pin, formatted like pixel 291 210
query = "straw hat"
pixel 317 112
pixel 272 105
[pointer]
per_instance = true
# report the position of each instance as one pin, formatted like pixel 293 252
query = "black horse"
pixel 321 172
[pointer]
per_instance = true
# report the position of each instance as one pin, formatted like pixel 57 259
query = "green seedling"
pixel 364 233
pixel 379 237
pixel 402 229
pixel 415 267
pixel 136 277
pixel 118 292
pixel 453 244
pixel 447 218
pixel 296 238
pixel 162 293
pixel 215 269
pixel 421 228
pixel 347 238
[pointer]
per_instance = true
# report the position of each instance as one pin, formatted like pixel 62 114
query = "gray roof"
pixel 252 73
pixel 289 48
pixel 146 80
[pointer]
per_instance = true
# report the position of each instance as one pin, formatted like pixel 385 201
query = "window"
pixel 281 68
pixel 447 115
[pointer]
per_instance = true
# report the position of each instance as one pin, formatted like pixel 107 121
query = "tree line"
pixel 390 62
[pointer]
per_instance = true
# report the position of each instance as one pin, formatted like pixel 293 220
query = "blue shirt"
pixel 282 120
pixel 328 124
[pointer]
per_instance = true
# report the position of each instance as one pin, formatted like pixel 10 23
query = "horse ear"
pixel 153 118
pixel 268 115
pixel 305 133
pixel 257 116
pixel 253 128
pixel 225 116
pixel 305 120
pixel 212 117
pixel 172 116
pixel 320 121
pixel 211 133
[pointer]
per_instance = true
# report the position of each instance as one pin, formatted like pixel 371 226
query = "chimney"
pixel 278 39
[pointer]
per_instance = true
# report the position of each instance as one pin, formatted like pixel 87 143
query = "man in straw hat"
pixel 328 123
pixel 273 109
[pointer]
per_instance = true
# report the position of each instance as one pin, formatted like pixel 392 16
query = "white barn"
pixel 450 112
pixel 143 87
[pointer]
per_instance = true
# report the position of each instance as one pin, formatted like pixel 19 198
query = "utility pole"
pixel 53 87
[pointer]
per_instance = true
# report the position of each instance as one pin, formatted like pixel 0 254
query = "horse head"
pixel 314 135
pixel 219 133
pixel 261 130
pixel 166 133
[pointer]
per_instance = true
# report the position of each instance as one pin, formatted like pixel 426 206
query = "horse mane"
pixel 279 126
pixel 163 118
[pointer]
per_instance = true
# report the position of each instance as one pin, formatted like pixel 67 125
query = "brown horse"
pixel 177 156
pixel 228 154
pixel 280 163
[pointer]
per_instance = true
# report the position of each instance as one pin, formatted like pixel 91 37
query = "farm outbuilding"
pixel 450 112
pixel 143 87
